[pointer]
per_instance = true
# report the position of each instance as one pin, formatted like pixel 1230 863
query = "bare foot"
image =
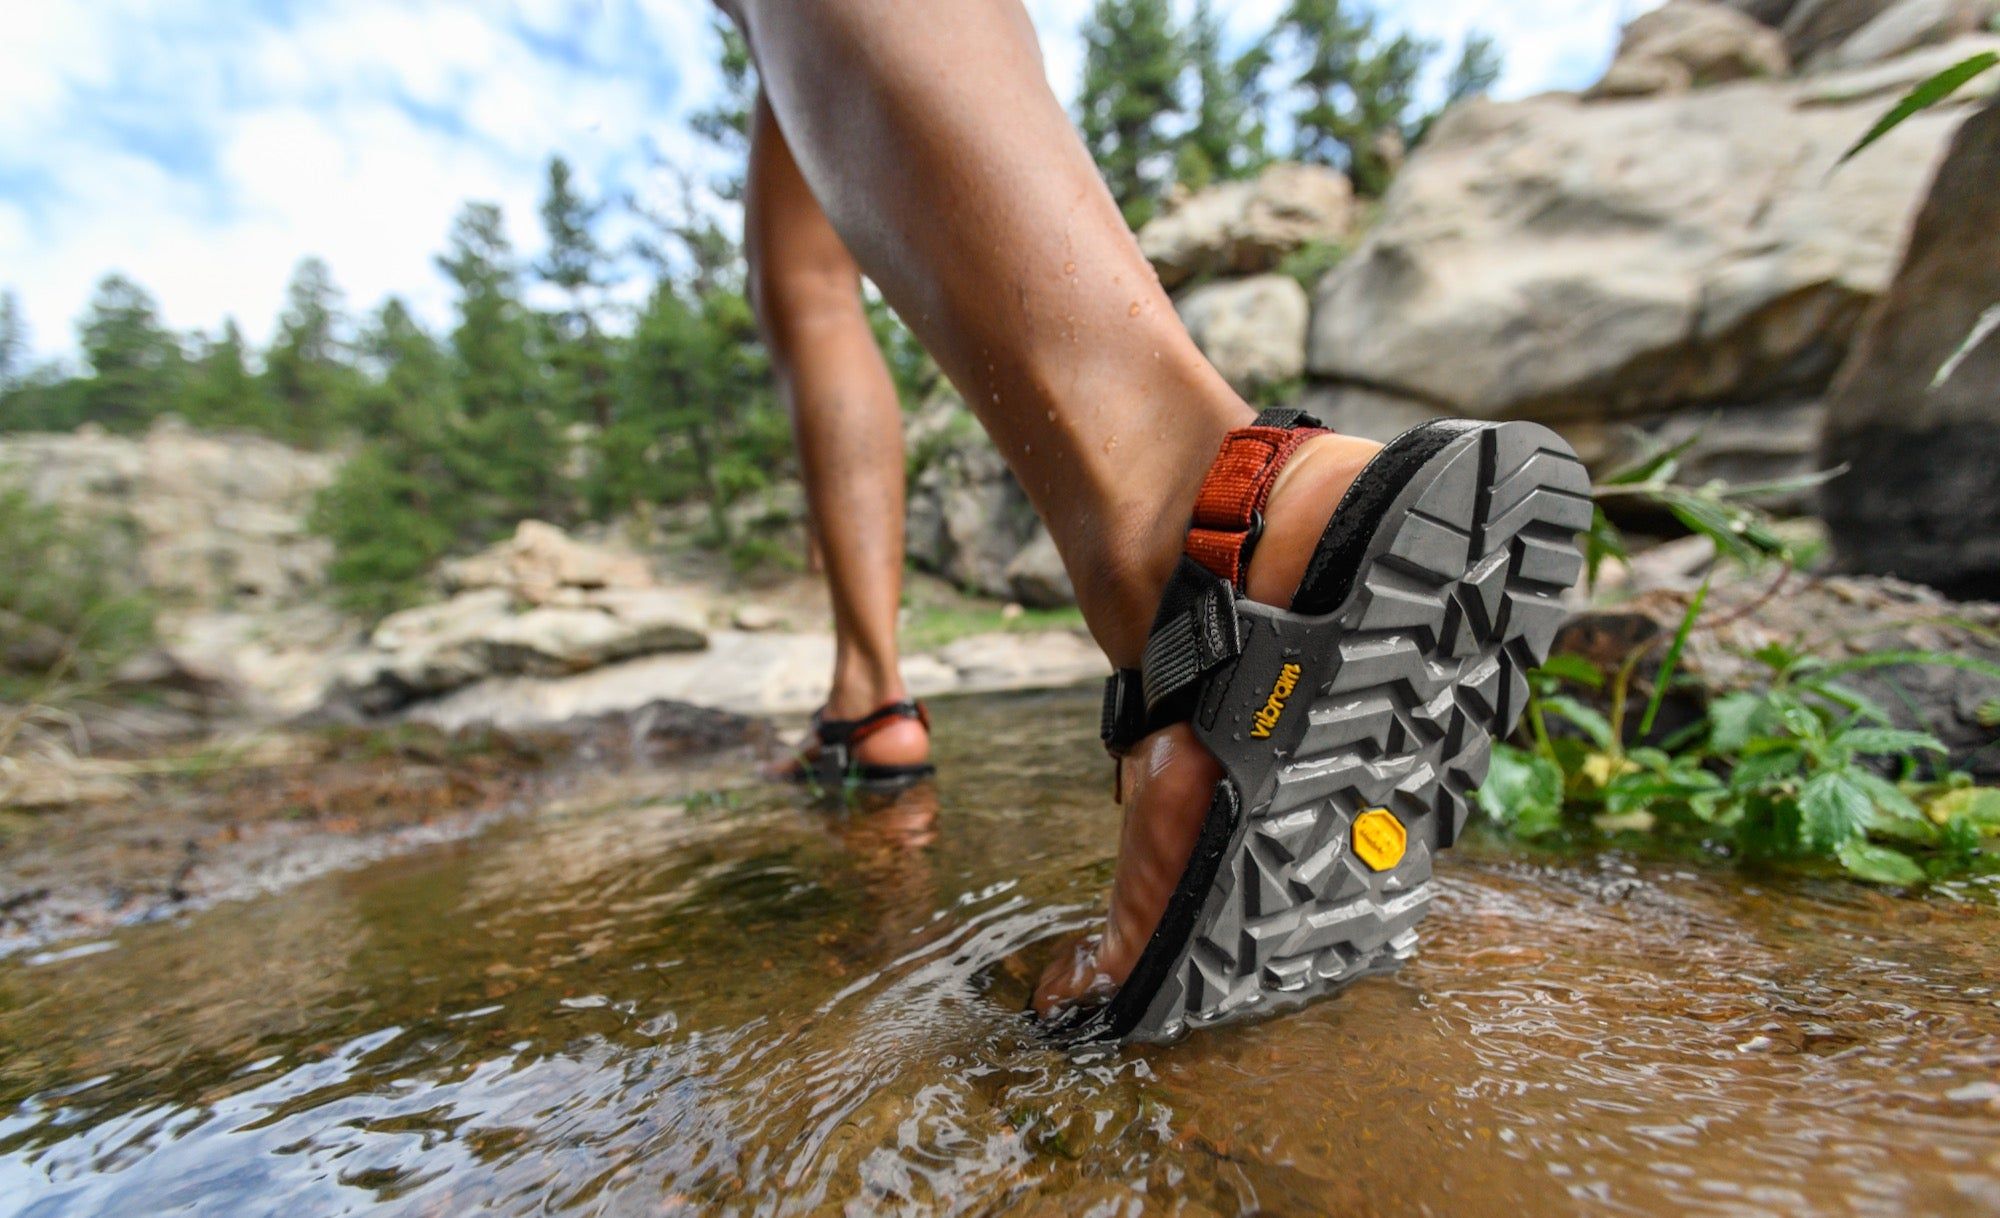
pixel 1169 777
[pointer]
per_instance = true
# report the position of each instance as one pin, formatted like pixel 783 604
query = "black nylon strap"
pixel 1195 632
pixel 1123 721
pixel 1288 417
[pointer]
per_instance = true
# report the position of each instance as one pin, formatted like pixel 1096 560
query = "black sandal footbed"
pixel 1353 542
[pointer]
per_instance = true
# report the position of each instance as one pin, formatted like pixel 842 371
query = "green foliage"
pixel 1477 69
pixel 1785 772
pixel 1310 262
pixel 1927 93
pixel 699 419
pixel 1725 513
pixel 136 364
pixel 13 341
pixel 308 372
pixel 1227 109
pixel 68 615
pixel 726 124
pixel 509 443
pixel 1356 88
pixel 580 354
pixel 1133 60
pixel 221 391
pixel 397 505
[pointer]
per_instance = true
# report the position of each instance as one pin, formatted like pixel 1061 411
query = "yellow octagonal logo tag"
pixel 1379 839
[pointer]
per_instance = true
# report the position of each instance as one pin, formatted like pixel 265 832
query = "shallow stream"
pixel 747 1005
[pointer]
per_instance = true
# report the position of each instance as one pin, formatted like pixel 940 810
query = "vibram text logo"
pixel 1288 680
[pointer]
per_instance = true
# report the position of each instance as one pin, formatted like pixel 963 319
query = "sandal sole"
pixel 1315 864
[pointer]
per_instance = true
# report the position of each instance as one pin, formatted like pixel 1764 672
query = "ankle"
pixel 858 692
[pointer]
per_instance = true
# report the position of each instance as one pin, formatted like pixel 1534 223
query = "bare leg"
pixel 929 135
pixel 848 424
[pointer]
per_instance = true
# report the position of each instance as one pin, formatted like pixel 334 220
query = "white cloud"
pixel 204 150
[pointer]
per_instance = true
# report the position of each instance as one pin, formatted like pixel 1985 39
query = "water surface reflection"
pixel 746 1005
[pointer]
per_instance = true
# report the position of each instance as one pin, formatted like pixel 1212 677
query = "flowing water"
pixel 747 1005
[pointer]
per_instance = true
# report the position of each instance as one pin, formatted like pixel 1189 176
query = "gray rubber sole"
pixel 1353 741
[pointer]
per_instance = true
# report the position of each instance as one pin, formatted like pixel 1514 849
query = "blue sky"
pixel 203 147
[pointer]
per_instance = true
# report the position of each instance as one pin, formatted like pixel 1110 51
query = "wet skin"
pixel 921 145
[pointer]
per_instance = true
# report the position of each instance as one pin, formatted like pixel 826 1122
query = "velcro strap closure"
pixel 1195 631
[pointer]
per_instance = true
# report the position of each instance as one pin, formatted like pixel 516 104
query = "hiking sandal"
pixel 835 765
pixel 1353 726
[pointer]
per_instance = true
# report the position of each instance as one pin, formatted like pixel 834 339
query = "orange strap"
pixel 1229 512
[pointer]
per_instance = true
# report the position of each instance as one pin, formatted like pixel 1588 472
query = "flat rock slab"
pixel 765 673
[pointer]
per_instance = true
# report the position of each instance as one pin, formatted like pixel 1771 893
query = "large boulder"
pixel 1907 25
pixel 1593 265
pixel 1036 576
pixel 539 562
pixel 539 605
pixel 1916 412
pixel 213 519
pixel 1253 330
pixel 1241 228
pixel 968 518
pixel 1842 33
pixel 1687 44
pixel 1815 27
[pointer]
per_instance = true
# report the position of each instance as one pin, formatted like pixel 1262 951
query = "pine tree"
pixel 136 365
pixel 13 341
pixel 1133 61
pixel 513 451
pixel 220 389
pixel 575 264
pixel 1228 107
pixel 397 505
pixel 1477 69
pixel 308 371
pixel 726 124
pixel 1358 89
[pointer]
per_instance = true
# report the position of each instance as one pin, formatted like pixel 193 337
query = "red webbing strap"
pixel 883 716
pixel 1228 513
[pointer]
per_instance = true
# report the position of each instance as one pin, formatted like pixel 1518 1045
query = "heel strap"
pixel 850 732
pixel 1196 629
pixel 1229 511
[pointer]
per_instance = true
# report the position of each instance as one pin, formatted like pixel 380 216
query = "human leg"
pixel 929 136
pixel 848 426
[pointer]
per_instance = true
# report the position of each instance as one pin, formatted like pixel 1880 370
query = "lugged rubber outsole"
pixel 1404 686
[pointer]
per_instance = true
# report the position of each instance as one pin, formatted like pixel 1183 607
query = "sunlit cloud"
pixel 203 148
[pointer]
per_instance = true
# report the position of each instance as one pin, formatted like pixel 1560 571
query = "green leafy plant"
pixel 1789 771
pixel 1726 513
pixel 69 616
pixel 1799 768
